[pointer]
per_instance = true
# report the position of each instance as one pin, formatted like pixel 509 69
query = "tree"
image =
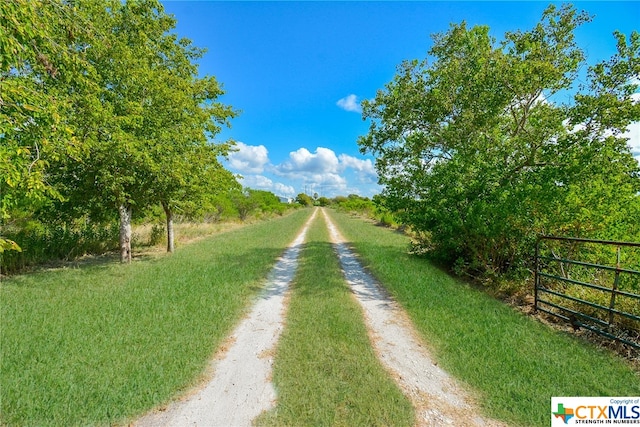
pixel 265 201
pixel 323 201
pixel 115 170
pixel 304 199
pixel 147 136
pixel 355 203
pixel 197 177
pixel 103 111
pixel 181 119
pixel 476 156
pixel 41 59
pixel 244 204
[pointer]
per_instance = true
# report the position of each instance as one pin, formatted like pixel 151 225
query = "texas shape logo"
pixel 564 413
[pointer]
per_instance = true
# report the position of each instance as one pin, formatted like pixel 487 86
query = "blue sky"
pixel 298 71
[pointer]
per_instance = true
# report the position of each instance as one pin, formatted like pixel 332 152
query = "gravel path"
pixel 240 387
pixel 438 400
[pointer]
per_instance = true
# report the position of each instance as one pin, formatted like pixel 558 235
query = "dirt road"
pixel 437 398
pixel 240 388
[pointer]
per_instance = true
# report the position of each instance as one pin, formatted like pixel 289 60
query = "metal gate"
pixel 592 284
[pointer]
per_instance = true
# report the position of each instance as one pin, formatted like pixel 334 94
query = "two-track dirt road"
pixel 239 387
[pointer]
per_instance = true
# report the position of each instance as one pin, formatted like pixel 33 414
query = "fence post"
pixel 614 289
pixel 536 276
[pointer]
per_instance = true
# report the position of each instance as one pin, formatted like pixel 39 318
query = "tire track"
pixel 438 399
pixel 240 387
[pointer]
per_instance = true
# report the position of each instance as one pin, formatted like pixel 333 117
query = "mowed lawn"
pixel 98 345
pixel 513 363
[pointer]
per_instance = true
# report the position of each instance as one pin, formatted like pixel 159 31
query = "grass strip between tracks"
pixel 98 345
pixel 514 363
pixel 326 372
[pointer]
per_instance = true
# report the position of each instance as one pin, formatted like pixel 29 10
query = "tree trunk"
pixel 170 235
pixel 125 233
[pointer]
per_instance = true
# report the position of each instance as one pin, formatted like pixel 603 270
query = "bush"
pixel 355 204
pixel 42 242
pixel 157 235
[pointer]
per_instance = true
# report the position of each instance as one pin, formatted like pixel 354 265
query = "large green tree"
pixel 115 169
pixel 41 61
pixel 148 139
pixel 102 110
pixel 182 118
pixel 478 153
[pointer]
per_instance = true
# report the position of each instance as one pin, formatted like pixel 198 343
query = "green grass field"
pixel 102 344
pixel 514 363
pixel 326 372
pixel 98 345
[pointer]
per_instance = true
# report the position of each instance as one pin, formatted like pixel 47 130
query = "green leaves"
pixel 8 245
pixel 101 105
pixel 474 155
pixel 38 60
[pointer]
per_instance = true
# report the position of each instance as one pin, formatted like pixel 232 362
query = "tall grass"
pixel 41 243
pixel 513 362
pixel 102 344
pixel 326 372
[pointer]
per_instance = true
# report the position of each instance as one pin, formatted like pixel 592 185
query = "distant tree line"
pixel 43 241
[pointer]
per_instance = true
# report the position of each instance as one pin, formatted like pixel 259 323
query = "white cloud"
pixel 350 103
pixel 323 161
pixel 249 158
pixel 328 185
pixel 327 174
pixel 320 171
pixel 633 133
pixel 260 182
pixel 283 190
pixel 364 168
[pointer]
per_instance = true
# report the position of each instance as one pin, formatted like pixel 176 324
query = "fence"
pixel 591 284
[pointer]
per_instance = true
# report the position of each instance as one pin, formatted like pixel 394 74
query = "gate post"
pixel 614 289
pixel 536 276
